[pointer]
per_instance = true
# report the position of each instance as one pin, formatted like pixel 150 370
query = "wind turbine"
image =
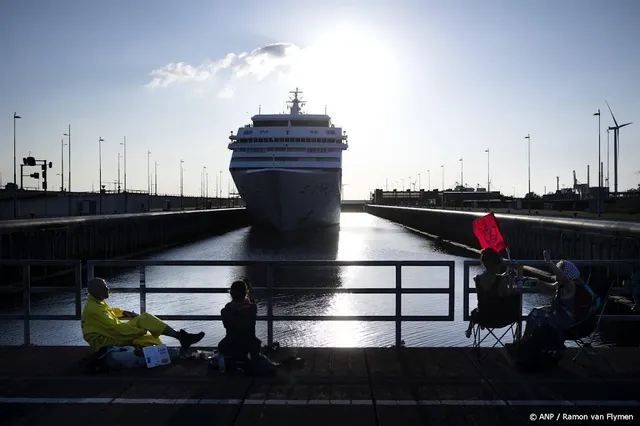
pixel 616 148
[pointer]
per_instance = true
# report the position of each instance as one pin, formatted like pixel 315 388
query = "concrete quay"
pixel 354 386
pixel 526 235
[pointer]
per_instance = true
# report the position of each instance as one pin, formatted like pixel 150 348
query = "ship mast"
pixel 296 103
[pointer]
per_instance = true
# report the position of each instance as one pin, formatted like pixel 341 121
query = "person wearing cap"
pixel 103 325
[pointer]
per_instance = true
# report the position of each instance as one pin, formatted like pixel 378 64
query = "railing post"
pixel 90 270
pixel 78 277
pixel 398 306
pixel 452 291
pixel 143 289
pixel 26 303
pixel 269 282
pixel 465 291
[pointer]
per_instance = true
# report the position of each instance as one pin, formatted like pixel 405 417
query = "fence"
pixel 267 290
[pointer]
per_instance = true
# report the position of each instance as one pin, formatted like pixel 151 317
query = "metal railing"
pixel 267 290
pixel 467 290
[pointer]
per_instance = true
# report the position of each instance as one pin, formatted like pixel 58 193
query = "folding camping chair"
pixel 582 333
pixel 509 317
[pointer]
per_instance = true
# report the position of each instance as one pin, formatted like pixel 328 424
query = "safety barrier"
pixel 267 290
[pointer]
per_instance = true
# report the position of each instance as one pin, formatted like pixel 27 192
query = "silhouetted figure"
pixel 496 307
pixel 239 320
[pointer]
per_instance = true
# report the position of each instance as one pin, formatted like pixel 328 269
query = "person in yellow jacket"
pixel 102 325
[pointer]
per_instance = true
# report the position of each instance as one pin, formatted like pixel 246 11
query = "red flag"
pixel 488 233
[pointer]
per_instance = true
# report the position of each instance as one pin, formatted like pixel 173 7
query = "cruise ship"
pixel 288 168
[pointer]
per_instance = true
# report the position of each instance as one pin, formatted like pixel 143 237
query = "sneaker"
pixel 188 339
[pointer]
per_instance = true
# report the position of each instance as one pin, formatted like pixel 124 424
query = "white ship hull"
pixel 291 199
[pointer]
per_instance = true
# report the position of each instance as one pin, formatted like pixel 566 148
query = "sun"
pixel 346 62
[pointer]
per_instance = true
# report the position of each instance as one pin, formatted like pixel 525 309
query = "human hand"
pixel 547 256
pixel 128 314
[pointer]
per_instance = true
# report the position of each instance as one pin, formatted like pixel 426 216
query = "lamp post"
pixel 181 185
pixel 429 178
pixel 69 180
pixel 461 175
pixel 148 172
pixel 100 140
pixel 599 161
pixel 442 177
pixel 15 185
pixel 155 171
pixel 118 181
pixel 608 160
pixel 528 138
pixel 124 144
pixel 419 183
pixel 488 180
pixel 62 145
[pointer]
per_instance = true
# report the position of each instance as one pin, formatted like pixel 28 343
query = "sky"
pixel 417 85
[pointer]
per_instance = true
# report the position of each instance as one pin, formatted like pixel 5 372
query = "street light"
pixel 100 140
pixel 461 175
pixel 148 173
pixel 156 176
pixel 442 177
pixel 118 182
pixel 15 185
pixel 599 162
pixel 528 137
pixel 62 145
pixel 69 182
pixel 488 180
pixel 429 176
pixel 124 143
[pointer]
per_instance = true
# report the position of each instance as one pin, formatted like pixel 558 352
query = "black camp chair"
pixel 489 319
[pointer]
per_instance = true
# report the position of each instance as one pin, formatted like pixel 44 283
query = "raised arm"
pixel 556 272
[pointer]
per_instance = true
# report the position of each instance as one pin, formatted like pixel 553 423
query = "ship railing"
pixel 266 292
pixel 612 286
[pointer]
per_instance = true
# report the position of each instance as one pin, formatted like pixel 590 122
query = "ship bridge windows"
pixel 271 123
pixel 309 123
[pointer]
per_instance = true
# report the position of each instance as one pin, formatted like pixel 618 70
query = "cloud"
pixel 259 62
pixel 227 92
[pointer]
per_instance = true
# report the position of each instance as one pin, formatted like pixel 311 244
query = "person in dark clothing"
pixel 239 320
pixel 559 316
pixel 495 306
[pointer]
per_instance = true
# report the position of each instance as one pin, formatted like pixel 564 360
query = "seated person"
pixel 555 319
pixel 239 320
pixel 102 326
pixel 496 307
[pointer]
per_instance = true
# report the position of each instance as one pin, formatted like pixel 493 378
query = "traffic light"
pixel 29 161
pixel 35 175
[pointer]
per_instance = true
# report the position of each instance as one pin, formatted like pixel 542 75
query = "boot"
pixel 188 339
